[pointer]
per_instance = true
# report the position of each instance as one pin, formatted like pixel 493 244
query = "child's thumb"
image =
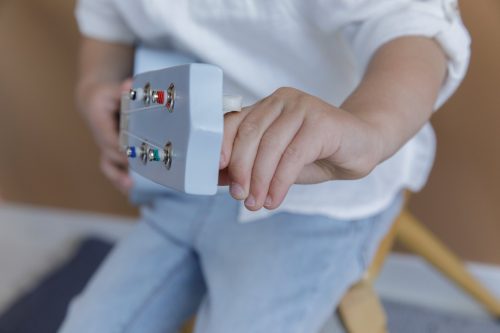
pixel 126 85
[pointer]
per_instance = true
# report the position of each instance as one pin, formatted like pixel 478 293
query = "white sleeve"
pixel 101 20
pixel 368 24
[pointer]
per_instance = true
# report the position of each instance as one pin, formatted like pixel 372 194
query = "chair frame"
pixel 361 310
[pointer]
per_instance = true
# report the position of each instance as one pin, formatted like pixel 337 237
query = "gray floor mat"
pixel 405 318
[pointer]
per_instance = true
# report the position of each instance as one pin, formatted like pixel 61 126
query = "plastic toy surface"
pixel 171 126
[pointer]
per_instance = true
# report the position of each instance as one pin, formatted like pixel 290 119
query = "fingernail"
pixel 268 201
pixel 250 201
pixel 237 191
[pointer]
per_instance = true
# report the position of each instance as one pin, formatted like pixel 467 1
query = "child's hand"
pixel 292 137
pixel 99 104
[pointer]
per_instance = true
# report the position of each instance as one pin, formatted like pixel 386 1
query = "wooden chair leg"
pixel 361 311
pixel 385 245
pixel 416 238
pixel 383 250
pixel 188 326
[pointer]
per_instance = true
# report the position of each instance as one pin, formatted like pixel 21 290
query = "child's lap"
pixel 285 272
pixel 208 226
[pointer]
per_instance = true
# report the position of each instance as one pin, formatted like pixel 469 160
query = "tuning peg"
pixel 158 96
pixel 170 98
pixel 136 94
pixel 143 153
pixel 166 97
pixel 153 155
pixel 167 155
pixel 130 151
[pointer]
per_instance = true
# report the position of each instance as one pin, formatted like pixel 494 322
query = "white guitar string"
pixel 149 143
pixel 153 107
pixel 230 103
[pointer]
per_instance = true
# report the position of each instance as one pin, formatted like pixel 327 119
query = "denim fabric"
pixel 284 273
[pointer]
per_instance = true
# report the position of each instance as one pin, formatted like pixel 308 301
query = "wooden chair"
pixel 360 309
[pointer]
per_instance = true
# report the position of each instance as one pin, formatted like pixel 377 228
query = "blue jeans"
pixel 188 255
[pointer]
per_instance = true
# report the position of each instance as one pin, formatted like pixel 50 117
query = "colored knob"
pixel 131 152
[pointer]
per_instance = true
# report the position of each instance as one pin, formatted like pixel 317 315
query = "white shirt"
pixel 319 46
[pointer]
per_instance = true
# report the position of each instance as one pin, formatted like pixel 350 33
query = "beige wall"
pixel 462 200
pixel 48 158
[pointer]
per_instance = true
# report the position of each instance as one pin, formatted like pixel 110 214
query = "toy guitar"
pixel 171 126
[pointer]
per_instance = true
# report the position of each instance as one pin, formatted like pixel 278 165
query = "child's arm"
pixel 102 69
pixel 101 62
pixel 399 90
pixel 292 137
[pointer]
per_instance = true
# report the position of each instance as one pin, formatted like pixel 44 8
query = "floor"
pixel 35 239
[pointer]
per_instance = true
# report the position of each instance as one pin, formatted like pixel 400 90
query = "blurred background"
pixel 49 160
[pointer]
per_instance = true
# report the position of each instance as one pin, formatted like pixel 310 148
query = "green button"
pixel 156 154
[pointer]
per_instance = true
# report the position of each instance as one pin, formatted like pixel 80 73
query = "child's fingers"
pixel 232 121
pixel 105 133
pixel 102 118
pixel 118 176
pixel 246 143
pixel 316 172
pixel 272 145
pixel 301 151
pixel 126 85
pixel 111 94
pixel 115 156
pixel 223 178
